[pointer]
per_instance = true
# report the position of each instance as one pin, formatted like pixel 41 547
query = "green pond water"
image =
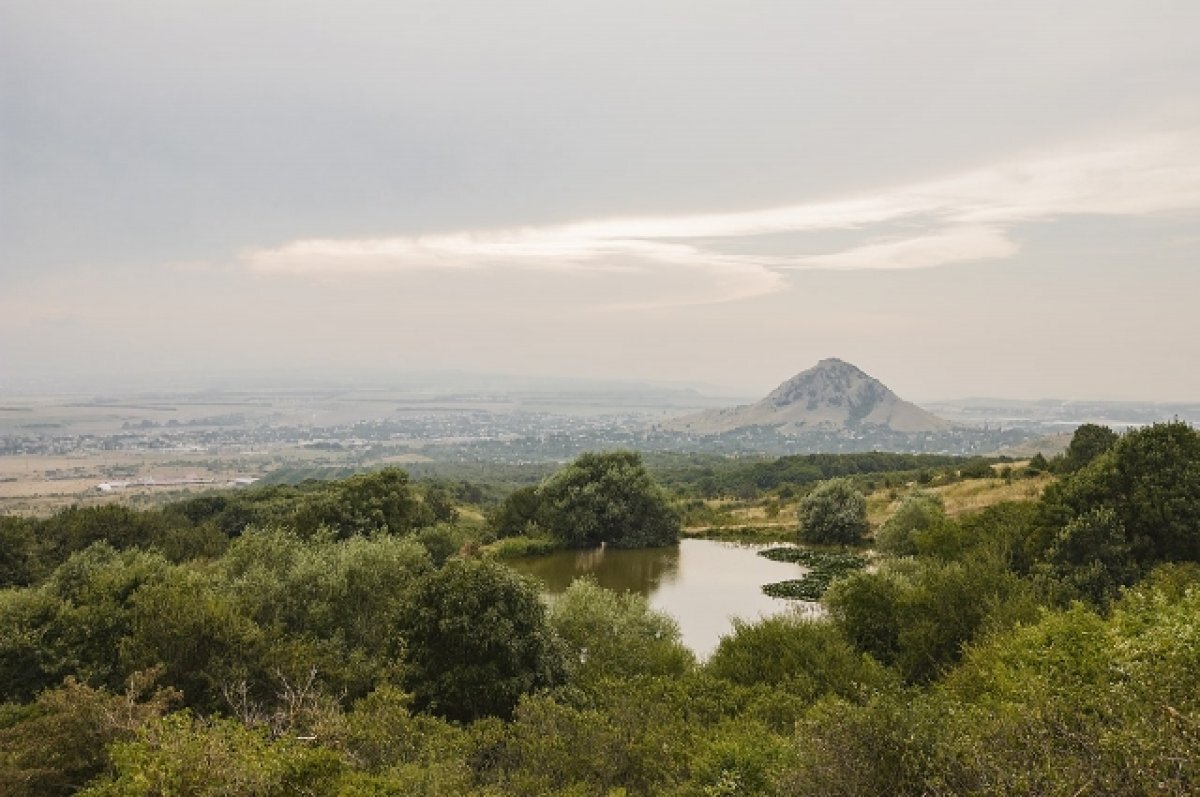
pixel 703 584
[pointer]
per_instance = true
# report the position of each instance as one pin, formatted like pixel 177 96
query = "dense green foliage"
pixel 834 513
pixel 181 754
pixel 1072 703
pixel 364 504
pixel 1088 442
pixel 611 635
pixel 711 476
pixel 1043 647
pixel 600 498
pixel 808 657
pixel 1089 559
pixel 518 514
pixel 1150 478
pixel 478 638
pixel 201 528
pixel 913 526
pixel 917 615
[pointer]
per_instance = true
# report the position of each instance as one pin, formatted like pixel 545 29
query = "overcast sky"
pixel 962 198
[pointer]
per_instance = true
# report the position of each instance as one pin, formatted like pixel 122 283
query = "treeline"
pixel 682 474
pixel 626 502
pixel 381 502
pixel 710 476
pixel 1045 647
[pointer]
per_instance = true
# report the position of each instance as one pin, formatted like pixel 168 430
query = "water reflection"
pixel 703 584
pixel 640 570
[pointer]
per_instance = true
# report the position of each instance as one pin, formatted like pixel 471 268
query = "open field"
pixel 969 495
pixel 773 519
pixel 40 484
pixel 975 494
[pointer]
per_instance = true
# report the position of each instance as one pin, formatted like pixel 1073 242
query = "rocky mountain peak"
pixel 831 381
pixel 833 395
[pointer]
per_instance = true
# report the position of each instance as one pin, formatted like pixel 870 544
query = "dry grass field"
pixel 40 485
pixel 960 497
pixel 969 495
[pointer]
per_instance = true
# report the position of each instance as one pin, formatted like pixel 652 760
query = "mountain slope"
pixel 832 396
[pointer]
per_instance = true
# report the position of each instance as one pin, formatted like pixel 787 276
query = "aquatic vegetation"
pixel 824 567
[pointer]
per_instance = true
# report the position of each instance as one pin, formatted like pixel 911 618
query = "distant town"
pixel 57 450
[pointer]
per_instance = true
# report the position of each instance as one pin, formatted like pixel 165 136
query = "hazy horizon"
pixel 451 382
pixel 987 199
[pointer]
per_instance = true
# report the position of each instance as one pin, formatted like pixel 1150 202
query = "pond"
pixel 703 584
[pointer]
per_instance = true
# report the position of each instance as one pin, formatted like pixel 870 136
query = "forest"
pixel 365 636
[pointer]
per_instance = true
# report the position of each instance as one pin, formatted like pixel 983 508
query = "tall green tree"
pixel 1151 479
pixel 203 644
pixel 1089 559
pixel 516 513
pixel 477 638
pixel 1089 441
pixel 607 498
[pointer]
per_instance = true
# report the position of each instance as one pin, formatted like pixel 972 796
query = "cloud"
pixel 958 219
pixel 955 244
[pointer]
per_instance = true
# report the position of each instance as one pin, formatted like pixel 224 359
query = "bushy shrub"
pixel 834 513
pixel 612 635
pixel 808 658
pixel 919 514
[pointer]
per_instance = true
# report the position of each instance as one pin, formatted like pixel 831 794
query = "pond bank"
pixel 702 584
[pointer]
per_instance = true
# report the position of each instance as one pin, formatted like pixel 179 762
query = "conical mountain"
pixel 831 396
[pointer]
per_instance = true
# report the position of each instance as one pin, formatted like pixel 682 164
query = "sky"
pixel 961 198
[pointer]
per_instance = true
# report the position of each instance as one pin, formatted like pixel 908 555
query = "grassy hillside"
pixel 773 516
